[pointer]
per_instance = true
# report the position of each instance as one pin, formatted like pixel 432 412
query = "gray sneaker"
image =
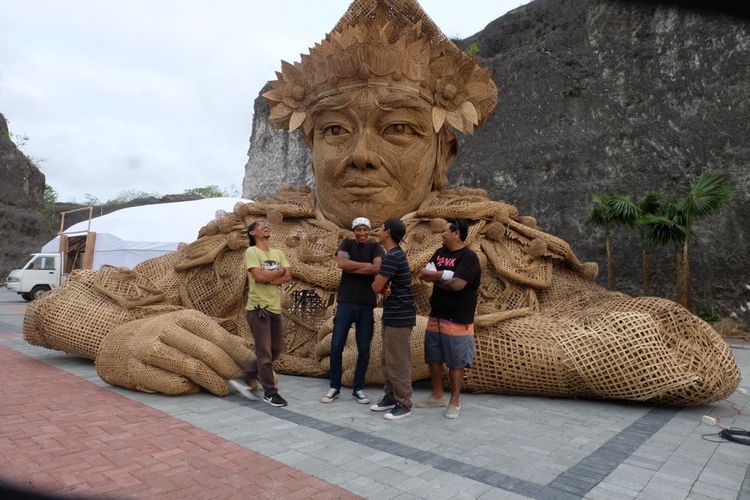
pixel 452 411
pixel 242 388
pixel 330 396
pixel 432 402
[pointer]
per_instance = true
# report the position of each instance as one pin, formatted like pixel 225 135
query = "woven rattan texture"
pixel 542 327
pixel 172 353
pixel 75 318
pixel 384 43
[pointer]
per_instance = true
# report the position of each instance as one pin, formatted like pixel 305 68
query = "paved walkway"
pixel 64 430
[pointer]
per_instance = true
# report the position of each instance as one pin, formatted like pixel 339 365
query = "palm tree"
pixel 623 211
pixel 602 215
pixel 651 203
pixel 674 224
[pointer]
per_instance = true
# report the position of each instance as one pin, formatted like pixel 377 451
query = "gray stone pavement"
pixel 500 446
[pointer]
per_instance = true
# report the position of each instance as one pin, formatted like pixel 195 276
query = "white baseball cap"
pixel 361 221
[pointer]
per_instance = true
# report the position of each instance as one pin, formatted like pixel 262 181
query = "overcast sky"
pixel 157 95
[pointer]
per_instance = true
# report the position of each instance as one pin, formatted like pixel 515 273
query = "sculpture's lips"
pixel 364 187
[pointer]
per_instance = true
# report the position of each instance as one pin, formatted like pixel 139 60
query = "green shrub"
pixel 707 313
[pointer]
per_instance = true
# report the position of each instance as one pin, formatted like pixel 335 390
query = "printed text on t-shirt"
pixel 446 261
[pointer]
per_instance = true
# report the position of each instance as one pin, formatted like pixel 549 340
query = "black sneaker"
pixel 274 400
pixel 360 397
pixel 385 403
pixel 397 412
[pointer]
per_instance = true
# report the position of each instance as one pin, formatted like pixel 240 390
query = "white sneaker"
pixel 330 396
pixel 242 388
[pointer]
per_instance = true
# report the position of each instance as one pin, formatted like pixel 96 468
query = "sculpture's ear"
pixel 447 149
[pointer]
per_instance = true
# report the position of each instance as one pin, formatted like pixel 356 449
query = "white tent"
pixel 129 236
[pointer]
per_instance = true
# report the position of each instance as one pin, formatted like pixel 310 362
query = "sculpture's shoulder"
pixel 287 209
pixel 289 203
pixel 513 245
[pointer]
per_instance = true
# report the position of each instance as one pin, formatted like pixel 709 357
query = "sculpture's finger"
pixel 205 327
pixel 147 378
pixel 175 361
pixel 201 349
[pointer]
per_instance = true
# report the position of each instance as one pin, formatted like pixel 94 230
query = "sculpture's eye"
pixel 333 130
pixel 399 129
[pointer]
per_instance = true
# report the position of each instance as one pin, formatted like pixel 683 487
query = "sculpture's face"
pixel 374 154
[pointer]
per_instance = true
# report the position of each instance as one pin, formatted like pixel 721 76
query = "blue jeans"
pixel 361 316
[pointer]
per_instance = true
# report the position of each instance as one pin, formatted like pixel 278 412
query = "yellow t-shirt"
pixel 264 294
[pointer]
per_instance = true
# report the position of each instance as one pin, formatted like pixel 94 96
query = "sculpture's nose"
pixel 361 155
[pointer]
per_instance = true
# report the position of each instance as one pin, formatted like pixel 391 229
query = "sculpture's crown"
pixel 389 43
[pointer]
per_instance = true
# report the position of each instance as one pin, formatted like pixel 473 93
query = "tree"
pixel 612 210
pixel 212 191
pixel 674 224
pixel 130 195
pixel 651 203
pixel 50 195
pixel 600 216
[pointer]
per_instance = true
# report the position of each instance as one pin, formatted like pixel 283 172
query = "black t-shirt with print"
pixel 357 288
pixel 457 306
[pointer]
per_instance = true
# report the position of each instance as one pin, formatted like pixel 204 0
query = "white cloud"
pixel 158 96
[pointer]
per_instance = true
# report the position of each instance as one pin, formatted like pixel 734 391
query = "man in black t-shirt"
pixel 455 271
pixel 359 260
pixel 399 317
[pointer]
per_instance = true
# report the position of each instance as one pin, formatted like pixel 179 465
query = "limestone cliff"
pixel 21 195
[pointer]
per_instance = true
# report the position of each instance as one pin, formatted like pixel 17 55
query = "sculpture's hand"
pixel 374 371
pixel 77 316
pixel 174 353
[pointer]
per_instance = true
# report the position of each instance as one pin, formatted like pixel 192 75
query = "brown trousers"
pixel 396 363
pixel 269 344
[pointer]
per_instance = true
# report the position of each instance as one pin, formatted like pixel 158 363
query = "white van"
pixel 43 272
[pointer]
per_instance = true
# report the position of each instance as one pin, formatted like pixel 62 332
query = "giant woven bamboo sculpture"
pixel 378 102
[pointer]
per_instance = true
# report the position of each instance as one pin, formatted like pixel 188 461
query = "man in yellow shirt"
pixel 267 269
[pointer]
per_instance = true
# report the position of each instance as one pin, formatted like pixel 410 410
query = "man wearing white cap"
pixel 359 260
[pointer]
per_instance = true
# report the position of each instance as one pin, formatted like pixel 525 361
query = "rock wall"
pixel 596 95
pixel 21 196
pixel 23 183
pixel 275 157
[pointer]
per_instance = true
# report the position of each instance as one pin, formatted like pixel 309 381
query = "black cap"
pixel 396 228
